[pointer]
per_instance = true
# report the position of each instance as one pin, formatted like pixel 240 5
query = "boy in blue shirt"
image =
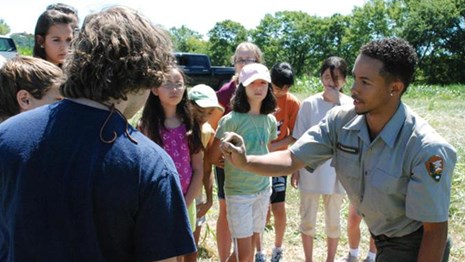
pixel 78 182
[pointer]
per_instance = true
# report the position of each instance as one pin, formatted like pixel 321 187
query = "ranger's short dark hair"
pixel 398 57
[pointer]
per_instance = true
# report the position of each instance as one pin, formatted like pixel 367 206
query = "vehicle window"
pixel 192 61
pixel 197 61
pixel 7 47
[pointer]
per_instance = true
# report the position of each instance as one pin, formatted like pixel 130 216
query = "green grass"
pixel 444 108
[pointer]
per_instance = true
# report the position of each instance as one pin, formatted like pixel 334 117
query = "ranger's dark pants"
pixel 402 249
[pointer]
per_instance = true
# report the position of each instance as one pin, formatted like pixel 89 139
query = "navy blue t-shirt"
pixel 67 196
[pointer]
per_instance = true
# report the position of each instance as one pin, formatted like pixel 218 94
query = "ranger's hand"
pixel 233 149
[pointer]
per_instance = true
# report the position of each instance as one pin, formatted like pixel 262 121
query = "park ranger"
pixel 396 169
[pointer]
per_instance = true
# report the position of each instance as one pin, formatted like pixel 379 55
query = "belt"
pixel 383 238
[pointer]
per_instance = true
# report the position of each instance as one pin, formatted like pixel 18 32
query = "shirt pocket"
pixel 346 163
pixel 348 171
pixel 388 183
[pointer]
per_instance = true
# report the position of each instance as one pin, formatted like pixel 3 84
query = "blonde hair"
pixel 247 46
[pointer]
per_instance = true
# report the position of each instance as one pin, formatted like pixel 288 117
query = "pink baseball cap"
pixel 252 72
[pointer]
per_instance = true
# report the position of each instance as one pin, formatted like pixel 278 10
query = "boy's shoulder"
pixel 292 98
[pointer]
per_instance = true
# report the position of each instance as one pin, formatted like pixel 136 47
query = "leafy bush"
pixel 25 51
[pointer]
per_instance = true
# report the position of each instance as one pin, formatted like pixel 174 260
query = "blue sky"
pixel 198 15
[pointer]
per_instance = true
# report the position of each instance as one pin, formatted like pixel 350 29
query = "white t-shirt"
pixel 323 180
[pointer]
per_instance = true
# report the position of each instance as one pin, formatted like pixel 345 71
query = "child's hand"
pixel 203 208
pixel 331 95
pixel 295 179
pixel 221 162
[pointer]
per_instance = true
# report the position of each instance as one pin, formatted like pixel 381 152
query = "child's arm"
pixel 292 118
pixel 196 181
pixel 215 155
pixel 203 208
pixel 288 140
pixel 215 118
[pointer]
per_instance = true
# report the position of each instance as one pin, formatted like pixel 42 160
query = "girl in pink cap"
pixel 247 194
pixel 246 53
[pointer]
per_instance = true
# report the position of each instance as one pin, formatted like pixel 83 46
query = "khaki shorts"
pixel 247 213
pixel 309 203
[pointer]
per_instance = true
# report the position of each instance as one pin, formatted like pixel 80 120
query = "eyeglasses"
pixel 171 85
pixel 245 61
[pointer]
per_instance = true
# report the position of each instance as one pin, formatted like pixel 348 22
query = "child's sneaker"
pixel 349 258
pixel 260 257
pixel 368 259
pixel 277 255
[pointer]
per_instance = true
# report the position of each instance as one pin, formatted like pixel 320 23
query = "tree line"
pixel 435 28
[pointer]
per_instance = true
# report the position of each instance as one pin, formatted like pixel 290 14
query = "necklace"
pixel 262 137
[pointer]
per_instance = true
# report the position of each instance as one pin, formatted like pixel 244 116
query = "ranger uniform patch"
pixel 434 166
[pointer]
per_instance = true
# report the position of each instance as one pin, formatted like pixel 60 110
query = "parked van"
pixel 7 47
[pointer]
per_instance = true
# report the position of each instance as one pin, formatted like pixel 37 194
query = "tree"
pixel 291 36
pixel 24 42
pixel 374 20
pixel 333 33
pixel 223 39
pixel 436 28
pixel 4 27
pixel 187 40
pixel 300 39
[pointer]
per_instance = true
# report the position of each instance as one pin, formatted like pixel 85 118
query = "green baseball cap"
pixel 204 96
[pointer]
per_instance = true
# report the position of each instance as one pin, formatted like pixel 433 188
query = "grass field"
pixel 444 109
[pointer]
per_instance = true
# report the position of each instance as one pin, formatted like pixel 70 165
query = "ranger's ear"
pixel 397 88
